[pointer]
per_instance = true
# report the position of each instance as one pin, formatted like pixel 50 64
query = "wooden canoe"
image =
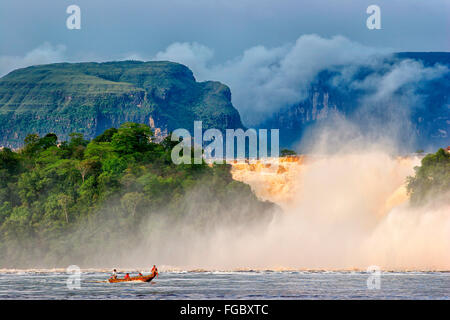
pixel 140 278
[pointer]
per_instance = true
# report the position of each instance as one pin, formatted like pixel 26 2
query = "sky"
pixel 112 28
pixel 265 50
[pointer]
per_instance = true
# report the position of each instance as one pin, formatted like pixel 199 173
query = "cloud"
pixel 263 80
pixel 405 74
pixel 194 55
pixel 46 53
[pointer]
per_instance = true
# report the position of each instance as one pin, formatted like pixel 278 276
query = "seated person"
pixel 127 276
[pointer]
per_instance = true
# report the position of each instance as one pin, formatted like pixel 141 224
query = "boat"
pixel 138 278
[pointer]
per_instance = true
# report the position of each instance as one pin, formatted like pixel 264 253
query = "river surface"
pixel 229 285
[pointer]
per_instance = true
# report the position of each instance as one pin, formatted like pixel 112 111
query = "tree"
pixel 131 138
pixel 49 140
pixel 99 150
pixel 287 153
pixel 106 136
pixel 77 145
pixel 64 201
pixel 31 144
pixel 77 139
pixel 35 144
pixel 130 201
pixel 9 161
pixel 431 179
pixel 88 166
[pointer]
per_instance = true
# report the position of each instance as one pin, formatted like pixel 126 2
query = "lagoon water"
pixel 229 285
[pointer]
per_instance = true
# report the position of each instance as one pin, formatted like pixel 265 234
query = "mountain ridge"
pixel 90 97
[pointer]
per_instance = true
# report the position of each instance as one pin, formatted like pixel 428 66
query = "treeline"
pixel 70 199
pixel 431 179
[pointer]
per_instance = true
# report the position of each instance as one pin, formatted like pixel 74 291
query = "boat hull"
pixel 142 279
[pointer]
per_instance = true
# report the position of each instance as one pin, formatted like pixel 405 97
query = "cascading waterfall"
pixel 346 211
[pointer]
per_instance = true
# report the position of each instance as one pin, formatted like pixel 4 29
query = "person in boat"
pixel 140 274
pixel 127 276
pixel 155 271
pixel 114 274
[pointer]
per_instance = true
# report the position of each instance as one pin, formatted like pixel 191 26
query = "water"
pixel 229 285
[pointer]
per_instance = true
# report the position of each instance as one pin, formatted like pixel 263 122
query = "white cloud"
pixel 194 55
pixel 406 73
pixel 263 80
pixel 46 53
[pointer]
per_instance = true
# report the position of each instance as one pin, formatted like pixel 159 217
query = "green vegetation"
pixel 91 97
pixel 75 199
pixel 287 152
pixel 432 178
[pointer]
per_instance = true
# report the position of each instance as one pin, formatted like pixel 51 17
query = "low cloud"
pixel 46 53
pixel 405 74
pixel 265 80
pixel 194 55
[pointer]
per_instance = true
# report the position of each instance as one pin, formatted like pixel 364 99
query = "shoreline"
pixel 202 270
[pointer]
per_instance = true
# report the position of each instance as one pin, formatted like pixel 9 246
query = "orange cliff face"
pixel 271 179
pixel 280 180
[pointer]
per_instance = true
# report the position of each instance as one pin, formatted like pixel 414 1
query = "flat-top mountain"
pixel 91 97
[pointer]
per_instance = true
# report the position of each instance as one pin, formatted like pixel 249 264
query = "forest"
pixel 431 179
pixel 65 201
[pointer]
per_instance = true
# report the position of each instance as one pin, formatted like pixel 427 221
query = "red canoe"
pixel 140 278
